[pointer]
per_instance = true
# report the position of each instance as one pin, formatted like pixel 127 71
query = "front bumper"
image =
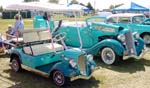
pixel 145 51
pixel 84 77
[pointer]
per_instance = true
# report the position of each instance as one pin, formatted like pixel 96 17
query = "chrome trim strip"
pixel 35 71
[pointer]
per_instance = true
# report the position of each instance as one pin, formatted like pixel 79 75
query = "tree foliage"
pixel 53 1
pixel 74 2
pixel 1 8
pixel 90 6
pixel 115 6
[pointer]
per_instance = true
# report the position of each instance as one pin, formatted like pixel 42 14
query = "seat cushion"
pixel 30 37
pixel 44 35
pixel 43 48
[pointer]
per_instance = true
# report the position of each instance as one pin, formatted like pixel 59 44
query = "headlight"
pixel 121 37
pixel 90 57
pixel 136 35
pixel 72 63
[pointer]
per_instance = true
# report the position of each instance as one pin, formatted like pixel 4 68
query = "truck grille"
pixel 130 46
pixel 82 64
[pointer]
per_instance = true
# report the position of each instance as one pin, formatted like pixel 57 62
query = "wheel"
pixel 146 38
pixel 108 56
pixel 16 65
pixel 59 79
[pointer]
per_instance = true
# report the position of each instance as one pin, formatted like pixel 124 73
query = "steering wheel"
pixel 59 36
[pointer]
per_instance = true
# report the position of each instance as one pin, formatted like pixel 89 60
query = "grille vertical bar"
pixel 130 46
pixel 82 63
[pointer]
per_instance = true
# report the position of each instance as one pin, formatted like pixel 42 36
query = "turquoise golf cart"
pixel 40 53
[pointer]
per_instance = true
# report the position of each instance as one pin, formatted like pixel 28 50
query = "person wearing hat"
pixel 18 25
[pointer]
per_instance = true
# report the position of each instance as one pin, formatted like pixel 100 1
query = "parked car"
pixel 135 22
pixel 41 54
pixel 112 43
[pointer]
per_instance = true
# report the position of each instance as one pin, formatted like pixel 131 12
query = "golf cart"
pixel 40 53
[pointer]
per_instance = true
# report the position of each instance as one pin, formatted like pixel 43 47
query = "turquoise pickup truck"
pixel 112 43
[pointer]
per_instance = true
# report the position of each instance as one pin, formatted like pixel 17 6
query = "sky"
pixel 99 4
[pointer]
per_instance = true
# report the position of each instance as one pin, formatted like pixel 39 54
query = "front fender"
pixel 114 44
pixel 64 67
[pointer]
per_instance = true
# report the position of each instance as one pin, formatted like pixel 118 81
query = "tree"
pixel 53 1
pixel 74 2
pixel 90 6
pixel 1 8
pixel 30 0
pixel 115 6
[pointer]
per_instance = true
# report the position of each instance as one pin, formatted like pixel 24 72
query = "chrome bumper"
pixel 84 77
pixel 146 50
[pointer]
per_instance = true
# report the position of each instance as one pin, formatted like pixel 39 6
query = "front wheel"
pixel 59 79
pixel 146 38
pixel 16 65
pixel 109 56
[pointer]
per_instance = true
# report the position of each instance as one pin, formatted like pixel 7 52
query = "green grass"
pixel 29 22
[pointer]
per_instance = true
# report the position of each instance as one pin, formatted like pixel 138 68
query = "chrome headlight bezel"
pixel 121 37
pixel 73 64
pixel 89 57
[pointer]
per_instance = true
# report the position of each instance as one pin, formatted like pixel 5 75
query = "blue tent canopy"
pixel 131 7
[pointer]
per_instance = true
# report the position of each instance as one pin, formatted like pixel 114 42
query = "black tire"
pixel 146 38
pixel 16 65
pixel 109 56
pixel 59 79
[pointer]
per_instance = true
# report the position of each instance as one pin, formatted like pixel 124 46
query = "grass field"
pixel 128 74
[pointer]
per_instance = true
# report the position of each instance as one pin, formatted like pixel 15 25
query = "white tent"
pixel 40 7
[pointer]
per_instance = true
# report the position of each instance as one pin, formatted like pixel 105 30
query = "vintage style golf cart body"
pixel 134 22
pixel 38 53
pixel 111 42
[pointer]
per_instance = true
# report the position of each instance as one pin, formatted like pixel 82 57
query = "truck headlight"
pixel 121 37
pixel 73 63
pixel 90 57
pixel 136 35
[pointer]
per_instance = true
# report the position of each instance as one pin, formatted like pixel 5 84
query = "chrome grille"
pixel 82 64
pixel 130 46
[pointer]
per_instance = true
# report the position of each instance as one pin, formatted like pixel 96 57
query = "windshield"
pixel 91 20
pixel 138 19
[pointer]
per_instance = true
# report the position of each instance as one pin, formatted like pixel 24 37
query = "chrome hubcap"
pixel 15 65
pixel 108 56
pixel 146 39
pixel 58 78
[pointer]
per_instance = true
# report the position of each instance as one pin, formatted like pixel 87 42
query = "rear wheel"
pixel 109 56
pixel 16 65
pixel 146 38
pixel 59 79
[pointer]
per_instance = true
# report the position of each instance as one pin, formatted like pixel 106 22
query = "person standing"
pixel 18 25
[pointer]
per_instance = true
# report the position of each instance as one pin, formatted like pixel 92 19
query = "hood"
pixel 72 53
